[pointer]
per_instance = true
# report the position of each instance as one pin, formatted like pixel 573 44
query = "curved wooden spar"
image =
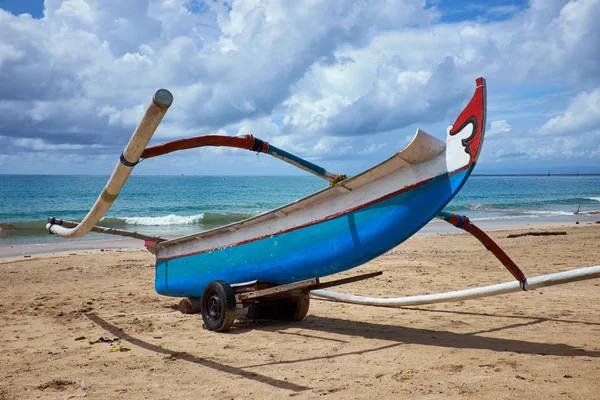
pixel 536 282
pixel 464 223
pixel 247 142
pixel 155 112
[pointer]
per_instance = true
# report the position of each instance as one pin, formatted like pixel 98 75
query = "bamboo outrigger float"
pixel 272 261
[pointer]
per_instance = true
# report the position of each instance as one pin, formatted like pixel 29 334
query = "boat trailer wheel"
pixel 286 310
pixel 218 306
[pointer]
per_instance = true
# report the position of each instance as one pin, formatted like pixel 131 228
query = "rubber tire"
pixel 218 306
pixel 285 310
pixel 297 309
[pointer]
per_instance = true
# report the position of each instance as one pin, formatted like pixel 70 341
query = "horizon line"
pixel 539 174
pixel 294 175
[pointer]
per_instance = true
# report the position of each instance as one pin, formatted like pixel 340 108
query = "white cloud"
pixel 497 127
pixel 502 10
pixel 304 75
pixel 8 52
pixel 40 145
pixel 583 113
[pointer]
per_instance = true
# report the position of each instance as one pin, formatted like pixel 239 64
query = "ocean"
pixel 180 205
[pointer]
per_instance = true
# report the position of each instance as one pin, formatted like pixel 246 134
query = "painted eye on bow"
pixel 473 121
pixel 467 132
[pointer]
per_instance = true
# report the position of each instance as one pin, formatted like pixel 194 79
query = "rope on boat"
pixel 536 282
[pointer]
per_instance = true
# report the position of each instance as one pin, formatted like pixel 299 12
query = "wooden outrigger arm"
pixel 136 151
pixel 247 142
pixel 464 223
pixel 155 112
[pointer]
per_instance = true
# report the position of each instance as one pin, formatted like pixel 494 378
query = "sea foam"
pixel 171 219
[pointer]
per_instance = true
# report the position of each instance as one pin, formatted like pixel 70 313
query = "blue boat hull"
pixel 316 250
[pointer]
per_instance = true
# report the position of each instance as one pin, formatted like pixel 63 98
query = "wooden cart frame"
pixel 264 300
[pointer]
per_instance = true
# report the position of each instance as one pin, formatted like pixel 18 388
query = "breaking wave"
pixel 484 207
pixel 186 223
pixel 171 219
pixel 548 213
pixel 212 219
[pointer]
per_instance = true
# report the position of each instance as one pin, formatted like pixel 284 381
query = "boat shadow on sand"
pixel 185 356
pixel 313 327
pixel 313 324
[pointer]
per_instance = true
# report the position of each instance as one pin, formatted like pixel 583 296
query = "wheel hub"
pixel 214 306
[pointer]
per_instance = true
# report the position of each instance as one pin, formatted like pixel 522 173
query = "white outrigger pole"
pixel 155 112
pixel 536 282
pixel 521 284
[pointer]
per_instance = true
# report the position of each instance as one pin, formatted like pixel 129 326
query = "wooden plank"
pixel 261 290
pixel 251 287
pixel 306 284
pixel 273 298
pixel 344 281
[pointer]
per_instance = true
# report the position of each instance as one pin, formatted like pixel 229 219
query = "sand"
pixel 542 344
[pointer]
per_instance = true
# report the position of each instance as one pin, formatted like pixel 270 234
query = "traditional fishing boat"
pixel 276 258
pixel 336 229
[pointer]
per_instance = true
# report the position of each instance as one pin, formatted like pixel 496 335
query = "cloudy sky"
pixel 344 84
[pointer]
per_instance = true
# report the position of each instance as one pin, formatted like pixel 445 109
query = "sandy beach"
pixel 542 344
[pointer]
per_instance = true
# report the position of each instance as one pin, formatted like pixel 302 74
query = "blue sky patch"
pixel 471 10
pixel 16 7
